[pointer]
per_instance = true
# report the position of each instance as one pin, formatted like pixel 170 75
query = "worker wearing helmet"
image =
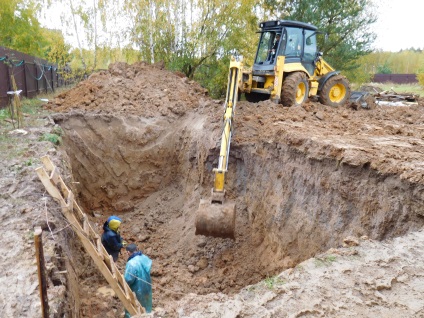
pixel 111 239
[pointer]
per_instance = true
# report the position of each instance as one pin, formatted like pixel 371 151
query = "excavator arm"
pixel 230 105
pixel 215 217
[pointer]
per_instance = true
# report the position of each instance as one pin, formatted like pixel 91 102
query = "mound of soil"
pixel 139 89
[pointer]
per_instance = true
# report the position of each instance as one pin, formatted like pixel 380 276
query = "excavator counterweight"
pixel 216 217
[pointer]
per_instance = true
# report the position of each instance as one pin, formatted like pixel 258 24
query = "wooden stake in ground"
pixel 42 282
pixel 15 107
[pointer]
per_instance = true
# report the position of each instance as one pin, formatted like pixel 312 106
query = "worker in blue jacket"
pixel 111 239
pixel 137 275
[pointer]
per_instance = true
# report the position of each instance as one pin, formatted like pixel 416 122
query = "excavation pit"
pixel 303 179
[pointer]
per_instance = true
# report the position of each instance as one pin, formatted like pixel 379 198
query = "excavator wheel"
pixel 295 90
pixel 335 92
pixel 216 219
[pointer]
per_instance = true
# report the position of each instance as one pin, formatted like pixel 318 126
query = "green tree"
pixel 346 25
pixel 56 50
pixel 384 69
pixel 19 27
pixel 195 36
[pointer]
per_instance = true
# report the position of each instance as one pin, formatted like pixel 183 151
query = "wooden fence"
pixel 32 75
pixel 395 78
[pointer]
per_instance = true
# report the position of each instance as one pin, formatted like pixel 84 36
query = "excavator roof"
pixel 279 23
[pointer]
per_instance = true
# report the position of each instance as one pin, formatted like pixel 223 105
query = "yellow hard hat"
pixel 114 225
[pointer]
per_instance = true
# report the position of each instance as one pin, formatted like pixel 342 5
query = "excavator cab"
pixel 291 70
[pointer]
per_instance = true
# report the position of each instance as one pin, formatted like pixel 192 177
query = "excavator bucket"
pixel 216 219
pixel 359 99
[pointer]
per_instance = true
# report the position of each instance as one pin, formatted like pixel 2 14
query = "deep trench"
pixel 289 206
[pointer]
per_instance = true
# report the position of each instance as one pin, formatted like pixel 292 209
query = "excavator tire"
pixel 216 219
pixel 295 89
pixel 335 92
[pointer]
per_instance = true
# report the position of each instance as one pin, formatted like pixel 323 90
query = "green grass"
pixel 9 148
pixel 403 88
pixel 272 282
pixel 31 106
pixel 397 88
pixel 53 138
pixel 325 261
pixel 4 113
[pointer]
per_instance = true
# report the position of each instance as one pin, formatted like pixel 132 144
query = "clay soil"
pixel 329 202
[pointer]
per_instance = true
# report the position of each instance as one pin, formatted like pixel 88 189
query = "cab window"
pixel 265 46
pixel 310 45
pixel 294 42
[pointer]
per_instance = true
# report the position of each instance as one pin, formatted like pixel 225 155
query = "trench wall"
pixel 290 204
pixel 298 205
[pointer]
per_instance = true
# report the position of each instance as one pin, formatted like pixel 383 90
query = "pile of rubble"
pixel 390 97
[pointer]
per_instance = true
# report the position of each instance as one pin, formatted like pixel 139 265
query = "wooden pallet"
pixel 54 184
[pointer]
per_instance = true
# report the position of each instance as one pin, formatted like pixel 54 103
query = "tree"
pixel 346 25
pixel 19 27
pixel 56 50
pixel 384 69
pixel 195 36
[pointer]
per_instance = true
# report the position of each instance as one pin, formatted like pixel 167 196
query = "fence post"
pixel 42 282
pixel 51 74
pixel 25 81
pixel 36 76
pixel 45 78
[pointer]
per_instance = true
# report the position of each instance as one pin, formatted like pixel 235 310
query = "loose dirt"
pixel 140 142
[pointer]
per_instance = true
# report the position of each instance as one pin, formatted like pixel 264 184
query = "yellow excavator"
pixel 288 69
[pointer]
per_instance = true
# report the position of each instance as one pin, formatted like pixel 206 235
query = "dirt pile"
pixel 142 142
pixel 139 89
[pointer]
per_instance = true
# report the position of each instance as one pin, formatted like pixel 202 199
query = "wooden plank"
pixel 112 266
pixel 51 189
pixel 124 284
pixel 70 201
pixel 105 264
pixel 42 280
pixel 99 247
pixel 131 307
pixel 47 163
pixel 85 225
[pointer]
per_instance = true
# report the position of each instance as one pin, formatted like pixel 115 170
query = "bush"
pixel 420 78
pixel 53 138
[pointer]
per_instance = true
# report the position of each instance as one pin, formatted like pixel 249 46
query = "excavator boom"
pixel 216 217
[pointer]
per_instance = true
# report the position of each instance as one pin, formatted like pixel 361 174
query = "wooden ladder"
pixel 54 184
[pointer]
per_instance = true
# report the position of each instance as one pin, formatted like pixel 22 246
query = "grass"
pixel 404 88
pixel 8 147
pixel 398 88
pixel 272 282
pixel 325 261
pixel 53 138
pixel 31 106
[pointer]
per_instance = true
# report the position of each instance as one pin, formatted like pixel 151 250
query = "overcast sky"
pixel 399 25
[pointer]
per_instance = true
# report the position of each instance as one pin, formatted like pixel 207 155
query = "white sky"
pixel 399 25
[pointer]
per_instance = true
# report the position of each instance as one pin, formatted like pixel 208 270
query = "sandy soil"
pixel 140 142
